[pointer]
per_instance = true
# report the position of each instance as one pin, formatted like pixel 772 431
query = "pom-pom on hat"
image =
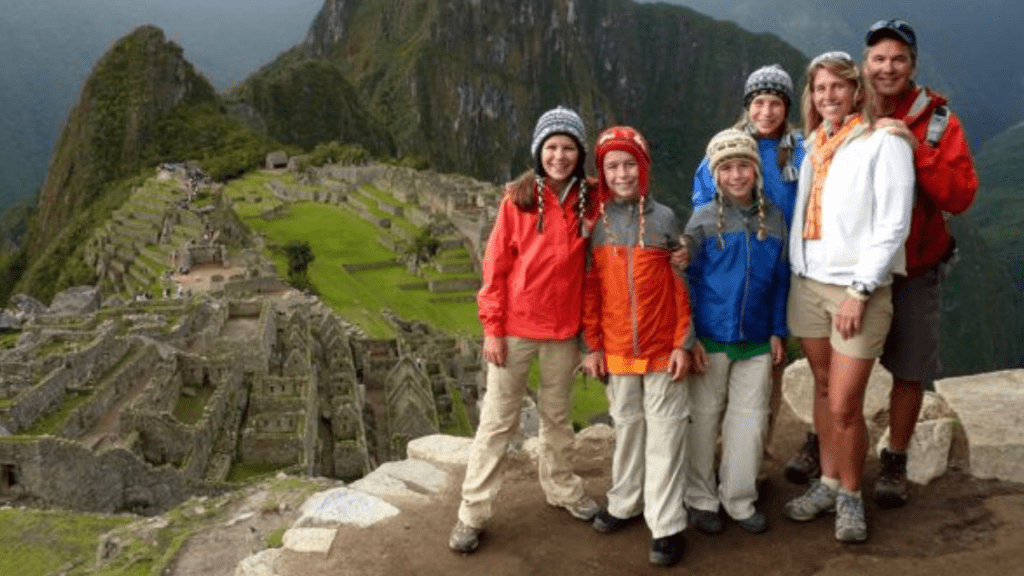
pixel 733 143
pixel 770 79
pixel 629 140
pixel 558 120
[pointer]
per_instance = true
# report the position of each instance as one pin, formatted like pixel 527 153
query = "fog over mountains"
pixel 49 47
pixel 970 51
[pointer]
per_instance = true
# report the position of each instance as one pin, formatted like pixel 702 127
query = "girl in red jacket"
pixel 530 307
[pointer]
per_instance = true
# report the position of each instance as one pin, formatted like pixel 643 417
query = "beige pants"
pixel 651 413
pixel 741 389
pixel 499 421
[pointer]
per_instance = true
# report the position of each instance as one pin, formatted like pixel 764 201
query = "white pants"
pixel 741 389
pixel 651 413
pixel 499 421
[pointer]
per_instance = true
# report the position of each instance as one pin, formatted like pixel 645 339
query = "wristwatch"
pixel 859 290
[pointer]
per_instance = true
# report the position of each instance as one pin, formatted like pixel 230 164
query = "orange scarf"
pixel 825 147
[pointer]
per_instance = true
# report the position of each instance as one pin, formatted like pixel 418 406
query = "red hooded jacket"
pixel 532 281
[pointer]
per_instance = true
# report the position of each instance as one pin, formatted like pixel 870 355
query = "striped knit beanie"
pixel 559 121
pixel 769 80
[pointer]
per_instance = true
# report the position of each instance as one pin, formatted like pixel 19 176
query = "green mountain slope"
pixel 143 104
pixel 997 209
pixel 460 84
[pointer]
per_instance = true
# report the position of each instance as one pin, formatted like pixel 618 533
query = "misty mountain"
pixel 970 51
pixel 49 47
pixel 997 209
pixel 461 83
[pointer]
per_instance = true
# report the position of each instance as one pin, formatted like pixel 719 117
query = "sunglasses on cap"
pixel 834 55
pixel 889 29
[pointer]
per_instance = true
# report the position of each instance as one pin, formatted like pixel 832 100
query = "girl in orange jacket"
pixel 636 322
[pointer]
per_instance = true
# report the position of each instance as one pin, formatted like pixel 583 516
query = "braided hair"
pixel 527 193
pixel 762 226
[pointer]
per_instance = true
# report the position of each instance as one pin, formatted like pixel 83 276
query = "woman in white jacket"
pixel 851 218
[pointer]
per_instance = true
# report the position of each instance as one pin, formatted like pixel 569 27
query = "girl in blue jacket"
pixel 739 282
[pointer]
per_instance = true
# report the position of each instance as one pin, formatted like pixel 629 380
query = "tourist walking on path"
pixel 636 322
pixel 767 101
pixel 530 306
pixel 946 183
pixel 851 219
pixel 739 280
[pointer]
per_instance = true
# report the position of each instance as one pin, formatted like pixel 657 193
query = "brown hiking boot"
pixel 805 465
pixel 892 489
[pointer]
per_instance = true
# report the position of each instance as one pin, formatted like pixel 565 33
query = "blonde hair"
pixel 842 65
pixel 758 192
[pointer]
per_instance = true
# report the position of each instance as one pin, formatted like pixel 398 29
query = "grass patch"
pixel 49 423
pixel 458 424
pixel 39 542
pixel 242 471
pixel 339 236
pixel 10 340
pixel 189 409
pixel 275 539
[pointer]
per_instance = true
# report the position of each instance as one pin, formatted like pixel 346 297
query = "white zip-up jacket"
pixel 865 212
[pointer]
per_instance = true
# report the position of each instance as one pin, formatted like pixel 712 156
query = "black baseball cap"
pixel 897 29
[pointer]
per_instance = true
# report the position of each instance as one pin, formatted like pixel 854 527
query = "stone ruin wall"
pixel 77 369
pixel 113 388
pixel 64 473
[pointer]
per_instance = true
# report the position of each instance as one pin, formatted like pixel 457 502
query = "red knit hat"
pixel 629 140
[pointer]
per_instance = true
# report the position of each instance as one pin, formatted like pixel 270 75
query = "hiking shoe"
pixel 850 523
pixel 667 551
pixel 706 521
pixel 583 509
pixel 806 463
pixel 755 524
pixel 816 500
pixel 464 539
pixel 891 489
pixel 605 523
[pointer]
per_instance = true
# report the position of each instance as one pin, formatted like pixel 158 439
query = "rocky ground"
pixel 953 526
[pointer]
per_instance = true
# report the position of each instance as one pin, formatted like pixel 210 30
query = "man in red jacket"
pixel 946 183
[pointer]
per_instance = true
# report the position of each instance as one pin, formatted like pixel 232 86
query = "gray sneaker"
pixel 583 509
pixel 850 523
pixel 807 506
pixel 464 539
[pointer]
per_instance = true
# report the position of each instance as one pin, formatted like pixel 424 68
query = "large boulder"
pixel 440 449
pixel 77 300
pixel 25 304
pixel 798 391
pixel 989 408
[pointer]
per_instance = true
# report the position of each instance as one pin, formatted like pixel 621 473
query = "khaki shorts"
pixel 812 307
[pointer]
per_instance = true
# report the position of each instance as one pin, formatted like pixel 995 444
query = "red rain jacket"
pixel 946 180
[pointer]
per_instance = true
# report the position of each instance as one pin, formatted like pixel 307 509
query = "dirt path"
pixel 955 526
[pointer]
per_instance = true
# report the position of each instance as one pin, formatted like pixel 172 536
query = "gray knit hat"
pixel 558 121
pixel 769 79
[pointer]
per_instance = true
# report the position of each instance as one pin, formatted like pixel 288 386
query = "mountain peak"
pixel 141 78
